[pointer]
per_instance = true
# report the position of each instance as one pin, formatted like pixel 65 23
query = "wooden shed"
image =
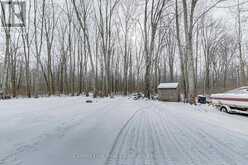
pixel 169 92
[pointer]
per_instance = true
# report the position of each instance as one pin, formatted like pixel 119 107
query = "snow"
pixel 168 86
pixel 119 131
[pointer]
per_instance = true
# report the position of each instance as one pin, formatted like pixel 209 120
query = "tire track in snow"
pixel 158 151
pixel 209 147
pixel 124 143
pixel 150 142
pixel 236 141
pixel 120 140
pixel 152 133
pixel 143 133
pixel 134 143
pixel 141 154
pixel 140 141
pixel 227 152
pixel 187 144
pixel 178 152
pixel 163 153
pixel 197 146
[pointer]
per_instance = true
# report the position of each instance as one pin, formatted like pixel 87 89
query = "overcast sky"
pixel 224 10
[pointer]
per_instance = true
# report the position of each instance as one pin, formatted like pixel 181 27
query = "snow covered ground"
pixel 120 131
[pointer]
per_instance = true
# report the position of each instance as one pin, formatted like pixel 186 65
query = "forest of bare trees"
pixel 108 47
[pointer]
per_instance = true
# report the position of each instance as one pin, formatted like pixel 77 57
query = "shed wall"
pixel 171 95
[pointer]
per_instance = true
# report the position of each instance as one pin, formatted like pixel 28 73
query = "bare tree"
pixel 50 23
pixel 38 41
pixel 7 32
pixel 154 14
pixel 182 55
pixel 82 19
pixel 242 63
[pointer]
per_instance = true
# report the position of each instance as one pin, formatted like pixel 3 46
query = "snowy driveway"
pixel 63 131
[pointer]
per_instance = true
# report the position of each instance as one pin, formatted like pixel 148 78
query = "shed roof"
pixel 168 86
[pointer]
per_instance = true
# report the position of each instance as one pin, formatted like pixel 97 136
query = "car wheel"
pixel 223 109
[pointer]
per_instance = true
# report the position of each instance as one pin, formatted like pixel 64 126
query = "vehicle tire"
pixel 223 109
